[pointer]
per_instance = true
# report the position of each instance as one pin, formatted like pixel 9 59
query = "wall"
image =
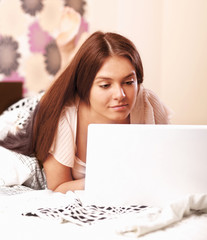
pixel 170 36
pixel 184 59
pixel 127 18
pixel 44 38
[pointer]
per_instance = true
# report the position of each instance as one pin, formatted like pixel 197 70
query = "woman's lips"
pixel 120 107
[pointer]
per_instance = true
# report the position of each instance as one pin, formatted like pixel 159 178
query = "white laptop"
pixel 144 164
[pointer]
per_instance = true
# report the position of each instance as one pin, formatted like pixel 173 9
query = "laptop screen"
pixel 145 164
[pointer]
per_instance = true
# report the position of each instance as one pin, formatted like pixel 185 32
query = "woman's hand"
pixel 71 186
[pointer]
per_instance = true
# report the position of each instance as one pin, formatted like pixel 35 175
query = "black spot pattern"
pixel 82 215
pixel 24 108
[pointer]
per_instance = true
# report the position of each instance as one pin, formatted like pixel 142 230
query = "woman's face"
pixel 113 92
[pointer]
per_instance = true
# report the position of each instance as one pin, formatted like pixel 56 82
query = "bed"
pixel 38 214
pixel 28 210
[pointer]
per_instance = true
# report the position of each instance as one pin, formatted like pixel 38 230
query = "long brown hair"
pixel 76 80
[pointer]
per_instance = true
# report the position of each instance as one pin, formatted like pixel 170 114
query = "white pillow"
pixel 7 123
pixel 12 170
pixel 16 116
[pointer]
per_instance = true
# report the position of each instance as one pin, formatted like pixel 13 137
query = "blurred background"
pixel 38 39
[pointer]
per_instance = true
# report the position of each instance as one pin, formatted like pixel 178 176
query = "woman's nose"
pixel 119 93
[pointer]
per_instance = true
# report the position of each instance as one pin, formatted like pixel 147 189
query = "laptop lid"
pixel 144 164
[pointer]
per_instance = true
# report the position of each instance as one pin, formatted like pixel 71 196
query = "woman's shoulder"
pixel 68 117
pixel 71 109
pixel 149 109
pixel 162 113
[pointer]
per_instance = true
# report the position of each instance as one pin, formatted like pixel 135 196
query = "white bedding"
pixel 191 228
pixel 185 219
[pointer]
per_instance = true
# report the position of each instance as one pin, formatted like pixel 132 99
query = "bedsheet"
pixel 43 213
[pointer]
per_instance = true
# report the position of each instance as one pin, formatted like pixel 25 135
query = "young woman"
pixel 102 84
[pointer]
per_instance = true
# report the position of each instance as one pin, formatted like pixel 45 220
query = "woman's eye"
pixel 129 82
pixel 105 86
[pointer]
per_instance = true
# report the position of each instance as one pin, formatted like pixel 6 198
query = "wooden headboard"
pixel 10 92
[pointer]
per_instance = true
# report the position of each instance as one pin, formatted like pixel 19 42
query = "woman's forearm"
pixel 71 186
